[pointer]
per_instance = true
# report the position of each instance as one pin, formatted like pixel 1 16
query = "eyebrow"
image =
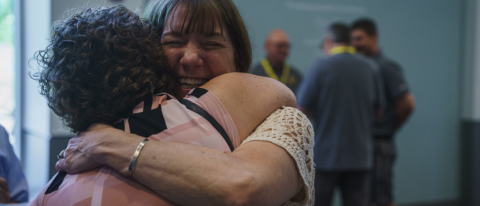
pixel 208 35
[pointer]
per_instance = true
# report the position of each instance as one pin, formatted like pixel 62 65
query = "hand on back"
pixel 76 158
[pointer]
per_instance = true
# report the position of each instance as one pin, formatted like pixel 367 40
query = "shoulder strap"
pixel 200 111
pixel 56 182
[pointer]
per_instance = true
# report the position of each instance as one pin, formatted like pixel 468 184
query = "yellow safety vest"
pixel 269 70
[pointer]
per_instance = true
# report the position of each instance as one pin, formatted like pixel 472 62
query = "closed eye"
pixel 213 45
pixel 173 43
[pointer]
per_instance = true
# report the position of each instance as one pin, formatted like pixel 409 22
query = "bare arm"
pixel 193 175
pixel 202 176
pixel 404 107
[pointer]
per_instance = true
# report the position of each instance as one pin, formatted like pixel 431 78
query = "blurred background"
pixel 437 42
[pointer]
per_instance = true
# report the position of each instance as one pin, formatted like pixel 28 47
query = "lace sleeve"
pixel 290 129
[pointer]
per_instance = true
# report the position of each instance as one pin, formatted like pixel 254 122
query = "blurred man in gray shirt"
pixel 342 93
pixel 400 104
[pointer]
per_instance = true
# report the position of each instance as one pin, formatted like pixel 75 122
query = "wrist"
pixel 117 149
pixel 131 165
pixel 101 148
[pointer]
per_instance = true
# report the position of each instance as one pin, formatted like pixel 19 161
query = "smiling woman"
pixel 202 39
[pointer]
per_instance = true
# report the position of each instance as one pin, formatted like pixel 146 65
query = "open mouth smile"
pixel 191 83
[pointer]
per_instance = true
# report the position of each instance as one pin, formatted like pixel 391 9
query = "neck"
pixel 339 44
pixel 276 65
pixel 376 50
pixel 373 52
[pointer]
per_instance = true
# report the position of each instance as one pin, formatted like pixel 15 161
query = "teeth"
pixel 189 83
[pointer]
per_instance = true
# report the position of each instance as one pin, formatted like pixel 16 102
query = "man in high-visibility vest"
pixel 274 65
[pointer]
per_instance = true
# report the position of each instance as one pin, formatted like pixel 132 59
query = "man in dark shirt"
pixel 341 92
pixel 275 66
pixel 399 106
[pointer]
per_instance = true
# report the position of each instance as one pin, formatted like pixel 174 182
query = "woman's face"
pixel 196 57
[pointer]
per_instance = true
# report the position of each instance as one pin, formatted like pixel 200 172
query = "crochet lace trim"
pixel 290 129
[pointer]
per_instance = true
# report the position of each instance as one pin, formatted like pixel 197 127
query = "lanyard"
pixel 342 49
pixel 269 70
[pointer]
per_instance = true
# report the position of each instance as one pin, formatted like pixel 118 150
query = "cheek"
pixel 172 57
pixel 221 63
pixel 231 63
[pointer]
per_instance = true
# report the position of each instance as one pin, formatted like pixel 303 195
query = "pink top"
pixel 161 118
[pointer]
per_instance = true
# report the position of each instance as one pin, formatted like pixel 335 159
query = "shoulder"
pixel 387 63
pixel 249 99
pixel 364 62
pixel 321 61
pixel 248 86
pixel 319 65
pixel 3 138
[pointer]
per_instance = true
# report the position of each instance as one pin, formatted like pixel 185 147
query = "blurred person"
pixel 275 66
pixel 118 64
pixel 341 92
pixel 13 185
pixel 399 105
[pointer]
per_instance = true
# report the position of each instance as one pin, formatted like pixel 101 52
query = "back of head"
pixel 365 24
pixel 340 33
pixel 99 65
pixel 202 16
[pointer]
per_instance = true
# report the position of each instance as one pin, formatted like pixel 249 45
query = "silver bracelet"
pixel 135 156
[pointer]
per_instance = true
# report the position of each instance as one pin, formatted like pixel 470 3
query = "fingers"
pixel 60 166
pixel 4 191
pixel 3 184
pixel 65 155
pixel 4 196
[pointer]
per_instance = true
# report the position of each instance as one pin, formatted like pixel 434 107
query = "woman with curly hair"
pixel 205 42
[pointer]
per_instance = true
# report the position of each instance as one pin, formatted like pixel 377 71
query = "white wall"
pixel 36 114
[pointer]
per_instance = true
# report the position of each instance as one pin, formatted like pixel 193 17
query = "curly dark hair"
pixel 99 64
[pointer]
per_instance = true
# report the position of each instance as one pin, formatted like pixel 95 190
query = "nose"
pixel 192 57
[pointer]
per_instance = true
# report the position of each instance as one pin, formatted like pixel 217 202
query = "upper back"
pixel 347 90
pixel 345 74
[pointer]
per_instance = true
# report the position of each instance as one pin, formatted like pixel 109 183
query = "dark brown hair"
pixel 99 65
pixel 339 32
pixel 365 24
pixel 202 16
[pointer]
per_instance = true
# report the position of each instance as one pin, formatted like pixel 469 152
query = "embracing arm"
pixel 192 175
pixel 202 176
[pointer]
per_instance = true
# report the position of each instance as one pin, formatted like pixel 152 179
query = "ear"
pixel 327 44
